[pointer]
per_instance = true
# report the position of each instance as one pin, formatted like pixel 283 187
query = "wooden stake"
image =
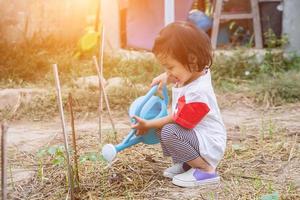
pixel 4 128
pixel 60 106
pixel 74 137
pixel 101 85
pixel 105 96
pixel 100 73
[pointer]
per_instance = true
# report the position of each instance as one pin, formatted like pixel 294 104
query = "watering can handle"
pixel 165 94
pixel 150 94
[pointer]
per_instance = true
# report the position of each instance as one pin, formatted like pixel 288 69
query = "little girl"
pixel 193 134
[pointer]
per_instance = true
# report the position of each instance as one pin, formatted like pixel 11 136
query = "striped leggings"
pixel 179 143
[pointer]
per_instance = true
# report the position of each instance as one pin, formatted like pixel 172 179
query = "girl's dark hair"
pixel 186 43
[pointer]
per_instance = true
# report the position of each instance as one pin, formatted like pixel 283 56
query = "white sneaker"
pixel 195 177
pixel 174 170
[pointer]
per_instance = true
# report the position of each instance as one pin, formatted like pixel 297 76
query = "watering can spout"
pixel 110 151
pixel 147 107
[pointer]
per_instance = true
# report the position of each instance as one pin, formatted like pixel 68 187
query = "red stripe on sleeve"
pixel 189 115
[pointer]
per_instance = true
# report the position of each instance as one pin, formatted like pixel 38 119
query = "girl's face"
pixel 177 72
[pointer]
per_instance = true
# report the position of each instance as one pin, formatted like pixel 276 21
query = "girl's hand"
pixel 160 79
pixel 140 125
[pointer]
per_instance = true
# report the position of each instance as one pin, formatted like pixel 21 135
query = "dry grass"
pixel 254 165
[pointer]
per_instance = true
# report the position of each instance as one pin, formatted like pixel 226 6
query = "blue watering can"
pixel 146 107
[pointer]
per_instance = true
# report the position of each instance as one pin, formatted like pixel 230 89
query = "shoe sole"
pixel 191 184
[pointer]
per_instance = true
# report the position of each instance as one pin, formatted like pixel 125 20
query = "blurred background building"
pixel 135 23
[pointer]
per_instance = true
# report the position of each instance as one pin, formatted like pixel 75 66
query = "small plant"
pixel 274 61
pixel 270 187
pixel 272 41
pixel 272 128
pixel 91 156
pixel 56 152
pixel 257 183
pixel 291 187
pixel 268 128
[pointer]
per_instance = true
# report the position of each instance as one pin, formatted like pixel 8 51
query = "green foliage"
pixel 91 156
pixel 17 64
pixel 273 63
pixel 239 66
pixel 267 129
pixel 277 62
pixel 56 152
pixel 272 41
pixel 31 60
pixel 272 81
pixel 244 66
pixel 276 89
pixel 268 75
pixel 138 68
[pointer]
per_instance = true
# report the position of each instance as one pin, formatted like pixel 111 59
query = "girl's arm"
pixel 158 123
pixel 143 125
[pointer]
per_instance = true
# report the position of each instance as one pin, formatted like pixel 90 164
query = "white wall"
pixel 111 19
pixel 291 24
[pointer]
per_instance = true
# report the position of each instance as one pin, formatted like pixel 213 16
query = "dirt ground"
pixel 246 124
